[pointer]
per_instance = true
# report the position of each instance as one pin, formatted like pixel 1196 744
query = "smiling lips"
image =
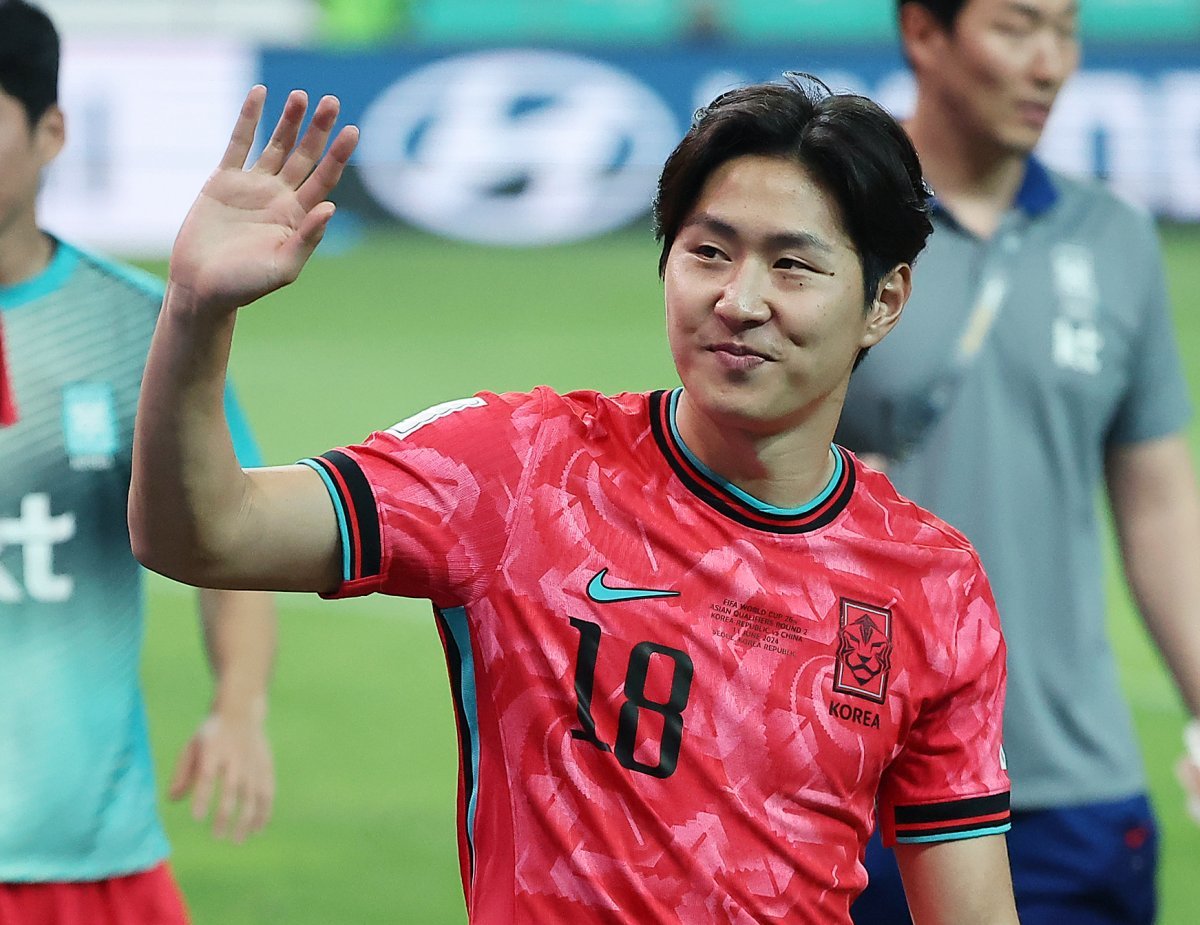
pixel 738 356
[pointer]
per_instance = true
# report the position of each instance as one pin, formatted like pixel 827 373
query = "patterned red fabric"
pixel 148 898
pixel 669 711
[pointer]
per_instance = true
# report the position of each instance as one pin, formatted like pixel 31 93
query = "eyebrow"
pixel 780 240
pixel 1036 14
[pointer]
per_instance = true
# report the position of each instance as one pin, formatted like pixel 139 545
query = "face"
pixel 24 151
pixel 998 71
pixel 764 295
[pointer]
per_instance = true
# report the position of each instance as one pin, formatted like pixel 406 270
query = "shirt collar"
pixel 51 278
pixel 1036 195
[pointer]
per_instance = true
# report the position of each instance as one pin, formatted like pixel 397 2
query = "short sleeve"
pixel 1156 403
pixel 950 779
pixel 424 508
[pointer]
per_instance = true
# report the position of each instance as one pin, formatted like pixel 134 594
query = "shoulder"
pixel 1103 208
pixel 896 518
pixel 136 281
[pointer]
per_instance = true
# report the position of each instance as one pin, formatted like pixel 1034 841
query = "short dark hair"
pixel 857 152
pixel 945 11
pixel 29 50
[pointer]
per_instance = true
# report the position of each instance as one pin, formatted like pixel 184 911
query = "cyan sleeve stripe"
pixel 952 836
pixel 339 509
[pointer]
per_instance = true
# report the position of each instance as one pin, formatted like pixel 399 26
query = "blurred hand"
pixel 1188 769
pixel 229 760
pixel 250 231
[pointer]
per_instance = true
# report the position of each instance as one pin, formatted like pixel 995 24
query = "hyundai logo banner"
pixel 528 146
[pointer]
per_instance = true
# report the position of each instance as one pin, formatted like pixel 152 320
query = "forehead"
pixel 1038 9
pixel 771 197
pixel 11 109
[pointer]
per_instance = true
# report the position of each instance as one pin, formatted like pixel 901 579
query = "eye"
pixel 791 264
pixel 708 251
pixel 1015 29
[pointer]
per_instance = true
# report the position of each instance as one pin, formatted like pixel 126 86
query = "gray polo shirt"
pixel 1081 357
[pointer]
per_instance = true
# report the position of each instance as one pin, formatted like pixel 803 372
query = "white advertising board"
pixel 146 124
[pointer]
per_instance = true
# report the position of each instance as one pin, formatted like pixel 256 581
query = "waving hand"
pixel 251 231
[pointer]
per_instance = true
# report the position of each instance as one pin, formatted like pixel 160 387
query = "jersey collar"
pixel 1036 195
pixel 56 272
pixel 729 500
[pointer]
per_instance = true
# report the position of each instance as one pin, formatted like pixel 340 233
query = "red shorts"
pixel 147 898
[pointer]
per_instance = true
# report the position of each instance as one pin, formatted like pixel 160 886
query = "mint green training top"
pixel 77 793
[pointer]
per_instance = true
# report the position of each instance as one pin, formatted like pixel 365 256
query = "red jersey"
pixel 676 703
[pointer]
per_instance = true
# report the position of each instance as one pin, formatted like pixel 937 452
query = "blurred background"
pixel 493 233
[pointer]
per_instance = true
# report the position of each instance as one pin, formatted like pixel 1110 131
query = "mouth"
pixel 738 357
pixel 737 350
pixel 1033 113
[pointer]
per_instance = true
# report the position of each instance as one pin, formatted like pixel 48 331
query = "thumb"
pixel 299 247
pixel 185 770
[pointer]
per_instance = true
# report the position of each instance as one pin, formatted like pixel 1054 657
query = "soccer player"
pixel 80 837
pixel 691 642
pixel 1038 364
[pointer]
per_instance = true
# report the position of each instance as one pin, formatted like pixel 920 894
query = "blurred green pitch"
pixel 364 826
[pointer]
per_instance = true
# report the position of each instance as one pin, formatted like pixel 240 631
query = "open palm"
pixel 251 231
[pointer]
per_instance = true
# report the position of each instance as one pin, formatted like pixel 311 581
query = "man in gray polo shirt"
pixel 1036 362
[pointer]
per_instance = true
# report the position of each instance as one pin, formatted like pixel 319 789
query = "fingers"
pixel 247 795
pixel 283 139
pixel 244 130
pixel 205 781
pixel 321 181
pixel 294 163
pixel 301 161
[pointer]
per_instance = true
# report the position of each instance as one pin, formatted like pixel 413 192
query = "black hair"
pixel 853 148
pixel 945 11
pixel 29 51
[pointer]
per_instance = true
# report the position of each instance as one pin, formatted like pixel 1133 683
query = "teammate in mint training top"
pixel 1037 367
pixel 695 649
pixel 80 837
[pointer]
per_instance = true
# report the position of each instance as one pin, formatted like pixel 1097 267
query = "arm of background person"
pixel 194 514
pixel 229 756
pixel 960 882
pixel 1156 509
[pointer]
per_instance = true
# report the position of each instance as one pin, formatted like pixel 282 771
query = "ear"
pixel 890 297
pixel 922 35
pixel 50 134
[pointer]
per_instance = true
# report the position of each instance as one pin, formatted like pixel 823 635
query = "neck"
pixel 786 469
pixel 974 178
pixel 24 253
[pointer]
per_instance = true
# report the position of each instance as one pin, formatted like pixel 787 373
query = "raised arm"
pixel 194 514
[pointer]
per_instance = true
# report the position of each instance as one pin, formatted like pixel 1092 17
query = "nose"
pixel 744 298
pixel 1054 58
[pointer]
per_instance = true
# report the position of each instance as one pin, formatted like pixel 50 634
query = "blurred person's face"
pixel 764 297
pixel 997 71
pixel 25 151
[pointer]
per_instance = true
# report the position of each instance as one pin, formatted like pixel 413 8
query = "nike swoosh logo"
pixel 601 593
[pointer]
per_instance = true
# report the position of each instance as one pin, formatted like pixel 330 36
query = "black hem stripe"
pixel 718 498
pixel 454 664
pixel 953 811
pixel 361 504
